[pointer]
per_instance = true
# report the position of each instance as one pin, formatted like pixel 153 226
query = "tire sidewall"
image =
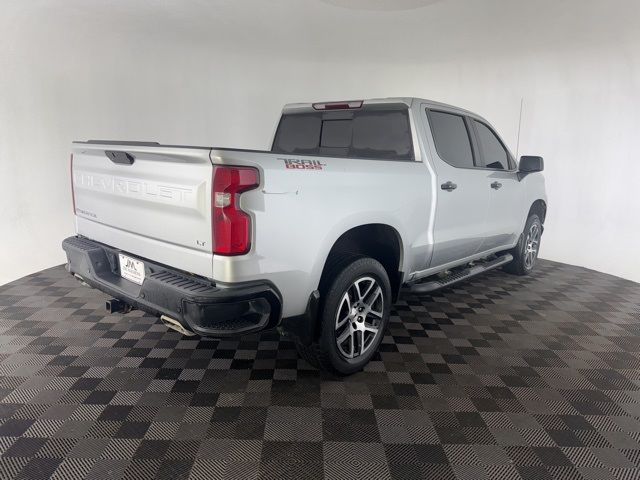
pixel 343 280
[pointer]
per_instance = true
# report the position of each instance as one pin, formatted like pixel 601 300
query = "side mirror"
pixel 530 164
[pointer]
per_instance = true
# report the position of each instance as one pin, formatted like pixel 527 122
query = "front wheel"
pixel 353 317
pixel 525 254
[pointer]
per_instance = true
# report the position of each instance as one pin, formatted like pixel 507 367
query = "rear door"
pixel 462 199
pixel 152 201
pixel 505 201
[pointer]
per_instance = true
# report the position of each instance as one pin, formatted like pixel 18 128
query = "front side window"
pixel 451 137
pixel 376 131
pixel 493 152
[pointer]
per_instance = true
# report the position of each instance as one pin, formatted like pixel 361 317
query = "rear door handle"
pixel 448 186
pixel 496 185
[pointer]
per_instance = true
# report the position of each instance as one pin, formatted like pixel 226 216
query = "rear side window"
pixel 376 131
pixel 451 137
pixel 494 154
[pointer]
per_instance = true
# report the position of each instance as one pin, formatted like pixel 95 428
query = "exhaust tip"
pixel 80 279
pixel 174 324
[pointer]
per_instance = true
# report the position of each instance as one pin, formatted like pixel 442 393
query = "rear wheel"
pixel 353 316
pixel 525 254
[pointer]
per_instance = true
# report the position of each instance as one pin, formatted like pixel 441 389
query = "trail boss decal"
pixel 296 164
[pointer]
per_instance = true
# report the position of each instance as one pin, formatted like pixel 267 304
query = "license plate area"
pixel 131 269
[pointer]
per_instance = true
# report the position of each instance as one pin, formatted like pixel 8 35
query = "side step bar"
pixel 460 276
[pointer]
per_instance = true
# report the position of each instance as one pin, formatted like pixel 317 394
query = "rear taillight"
pixel 231 226
pixel 73 195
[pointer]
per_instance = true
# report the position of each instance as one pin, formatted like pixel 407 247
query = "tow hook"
pixel 118 306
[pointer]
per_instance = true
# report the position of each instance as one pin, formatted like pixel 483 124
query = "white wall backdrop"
pixel 217 73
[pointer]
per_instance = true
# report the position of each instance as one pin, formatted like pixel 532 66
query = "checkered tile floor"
pixel 500 377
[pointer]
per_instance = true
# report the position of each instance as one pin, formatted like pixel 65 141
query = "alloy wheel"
pixel 531 246
pixel 359 317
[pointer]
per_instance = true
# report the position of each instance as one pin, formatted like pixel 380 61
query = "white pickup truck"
pixel 315 237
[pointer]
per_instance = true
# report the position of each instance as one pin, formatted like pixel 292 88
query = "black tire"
pixel 324 353
pixel 521 265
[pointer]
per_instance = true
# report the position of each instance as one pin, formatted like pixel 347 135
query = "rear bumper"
pixel 198 304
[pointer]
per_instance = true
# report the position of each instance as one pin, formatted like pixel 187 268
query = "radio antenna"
pixel 519 127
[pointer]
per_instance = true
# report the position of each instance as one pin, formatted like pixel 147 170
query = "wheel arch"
pixel 348 240
pixel 538 207
pixel 380 241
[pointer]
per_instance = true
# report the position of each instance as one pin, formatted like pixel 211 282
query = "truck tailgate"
pixel 151 201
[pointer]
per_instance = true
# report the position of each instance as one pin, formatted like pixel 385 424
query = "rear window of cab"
pixel 380 132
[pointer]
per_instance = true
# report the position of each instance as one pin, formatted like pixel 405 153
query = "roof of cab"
pixel 409 101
